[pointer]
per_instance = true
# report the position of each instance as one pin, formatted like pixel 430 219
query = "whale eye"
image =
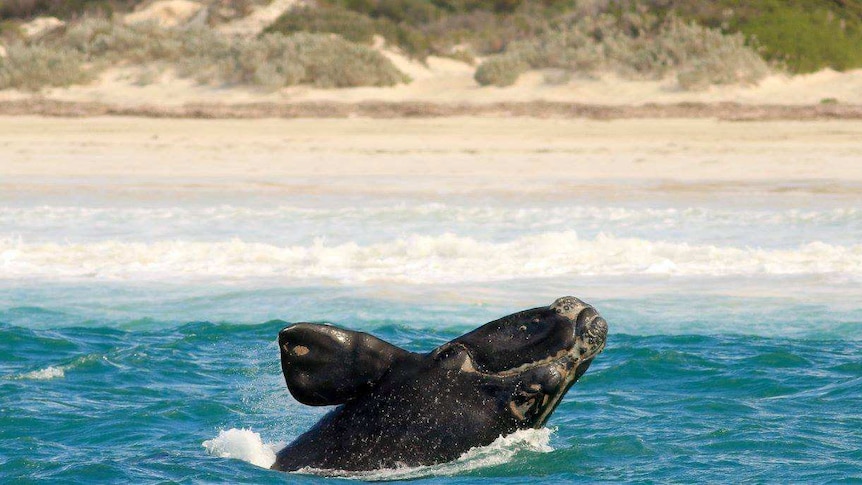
pixel 447 353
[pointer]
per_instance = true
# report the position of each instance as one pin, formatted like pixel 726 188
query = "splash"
pixel 500 452
pixel 242 444
pixel 45 374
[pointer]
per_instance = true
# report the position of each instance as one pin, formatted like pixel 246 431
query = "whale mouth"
pixel 591 332
pixel 566 331
pixel 580 336
pixel 547 358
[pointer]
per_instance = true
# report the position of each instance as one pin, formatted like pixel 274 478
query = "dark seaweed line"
pixel 728 111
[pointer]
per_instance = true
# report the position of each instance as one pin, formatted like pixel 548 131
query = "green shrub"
pixel 10 31
pixel 700 55
pixel 63 9
pixel 101 39
pixel 34 67
pixel 712 58
pixel 412 12
pixel 419 27
pixel 332 62
pixel 271 61
pixel 275 61
pixel 804 35
pixel 485 32
pixel 806 41
pixel 501 70
pixel 352 26
pixel 636 46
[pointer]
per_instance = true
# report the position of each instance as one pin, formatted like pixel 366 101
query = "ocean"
pixel 138 327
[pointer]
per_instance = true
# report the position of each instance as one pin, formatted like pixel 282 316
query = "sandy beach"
pixel 435 155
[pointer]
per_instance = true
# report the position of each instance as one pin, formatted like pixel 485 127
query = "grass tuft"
pixel 32 68
pixel 501 70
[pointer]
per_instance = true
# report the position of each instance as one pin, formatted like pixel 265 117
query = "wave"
pixel 446 258
pixel 58 371
pixel 45 374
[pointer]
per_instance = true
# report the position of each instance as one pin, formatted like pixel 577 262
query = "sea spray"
pixel 242 444
pixel 45 374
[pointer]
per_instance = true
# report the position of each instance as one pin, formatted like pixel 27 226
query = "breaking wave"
pixel 446 258
pixel 45 374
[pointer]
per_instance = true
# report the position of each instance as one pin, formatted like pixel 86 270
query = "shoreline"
pixel 725 111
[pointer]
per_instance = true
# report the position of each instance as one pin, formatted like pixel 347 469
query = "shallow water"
pixel 137 335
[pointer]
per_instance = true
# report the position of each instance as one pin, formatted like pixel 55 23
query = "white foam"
pixel 374 222
pixel 500 452
pixel 44 374
pixel 59 214
pixel 242 444
pixel 446 258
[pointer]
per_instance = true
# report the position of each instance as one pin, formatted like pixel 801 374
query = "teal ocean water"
pixel 138 334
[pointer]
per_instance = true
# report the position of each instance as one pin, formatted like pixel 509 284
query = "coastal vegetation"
pixel 336 43
pixel 637 46
pixel 86 48
pixel 799 35
pixel 802 35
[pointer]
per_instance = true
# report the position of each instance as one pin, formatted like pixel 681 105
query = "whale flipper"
pixel 326 365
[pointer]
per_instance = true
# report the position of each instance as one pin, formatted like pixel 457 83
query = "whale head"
pixel 545 350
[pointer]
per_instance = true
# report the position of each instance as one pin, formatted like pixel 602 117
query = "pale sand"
pixel 433 155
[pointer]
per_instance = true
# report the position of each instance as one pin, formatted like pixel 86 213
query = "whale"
pixel 396 408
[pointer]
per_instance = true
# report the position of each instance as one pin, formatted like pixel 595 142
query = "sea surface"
pixel 138 328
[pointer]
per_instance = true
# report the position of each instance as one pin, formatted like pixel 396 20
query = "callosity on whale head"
pixel 404 408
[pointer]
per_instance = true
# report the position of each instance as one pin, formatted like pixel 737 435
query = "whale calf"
pixel 399 408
